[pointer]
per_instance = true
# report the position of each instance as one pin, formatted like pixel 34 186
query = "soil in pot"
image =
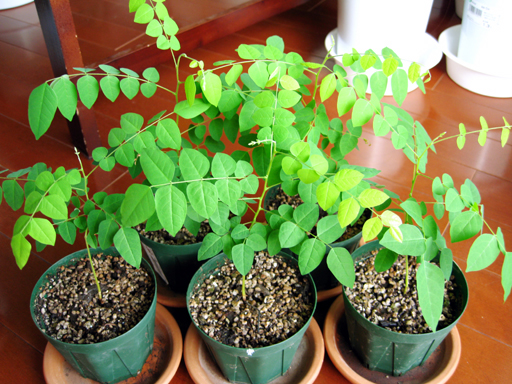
pixel 379 297
pixel 183 237
pixel 71 310
pixel 294 201
pixel 279 302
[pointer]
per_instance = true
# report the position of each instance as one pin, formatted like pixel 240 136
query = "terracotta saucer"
pixel 329 293
pixel 437 370
pixel 159 368
pixel 167 297
pixel 305 366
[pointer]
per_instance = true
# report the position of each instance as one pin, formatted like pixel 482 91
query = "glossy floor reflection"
pixel 484 328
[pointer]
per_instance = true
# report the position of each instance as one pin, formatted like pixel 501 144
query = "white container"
pixel 459 7
pixel 467 75
pixel 375 24
pixel 8 4
pixel 486 35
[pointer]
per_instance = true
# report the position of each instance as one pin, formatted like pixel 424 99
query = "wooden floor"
pixel 484 328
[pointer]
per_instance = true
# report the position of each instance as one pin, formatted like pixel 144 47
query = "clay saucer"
pixel 305 366
pixel 159 368
pixel 437 370
pixel 329 293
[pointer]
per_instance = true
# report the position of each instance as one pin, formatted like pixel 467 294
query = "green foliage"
pixel 267 103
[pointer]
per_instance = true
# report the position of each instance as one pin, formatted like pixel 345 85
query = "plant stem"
pixel 92 266
pixel 243 287
pixel 406 287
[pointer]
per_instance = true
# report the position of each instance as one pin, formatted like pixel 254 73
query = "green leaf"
pixel 256 242
pixel 243 257
pixel 413 243
pixel 346 179
pixel 67 231
pixel 42 105
pixel 327 193
pixel 384 260
pixel 311 254
pixel 399 85
pixel 144 14
pixel 372 228
pixel 259 74
pixel 412 208
pixel 482 253
pixel 248 52
pixel 130 87
pixel 186 111
pixel 127 242
pixel 301 150
pixel 212 245
pixel 157 166
pixel 13 194
pixel 106 231
pixel 212 87
pixel 107 164
pixel 371 198
pixel 243 169
pixel 465 226
pixel 287 98
pixel 250 184
pixel 170 26
pixel 110 87
pixel 505 133
pixel 125 155
pixel 327 86
pixel 42 230
pixel 390 219
pixel 453 201
pixel 240 232
pixel 138 205
pixel 67 97
pixel 148 89
pixel 290 234
pixel 446 263
pixel 88 89
pixel 154 28
pixel 168 133
pixel 389 66
pixel 348 211
pixel 328 229
pixel 289 83
pixel 506 275
pixel 306 215
pixel 193 164
pixel 346 100
pixel 378 84
pixel 362 113
pixel 341 265
pixel 430 280
pixel 21 248
pixel 203 197
pixel 54 207
pixel 171 208
pixel 233 74
pixel 223 165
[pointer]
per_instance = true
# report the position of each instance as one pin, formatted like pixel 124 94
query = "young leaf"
pixel 362 113
pixel 371 198
pixel 346 100
pixel 144 14
pixel 243 257
pixel 327 87
pixel 348 211
pixel 259 74
pixel 372 228
pixel 346 179
pixel 42 230
pixel 233 74
pixel 327 193
pixel 413 242
pixel 212 87
pixel 378 84
pixel 21 248
pixel 506 275
pixel 289 83
pixel 341 265
pixel 211 246
pixel 399 86
pixel 54 207
pixel 42 105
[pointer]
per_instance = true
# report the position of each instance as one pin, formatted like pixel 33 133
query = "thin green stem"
pixel 92 265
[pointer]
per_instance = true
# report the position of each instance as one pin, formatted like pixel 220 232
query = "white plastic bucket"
pixel 486 35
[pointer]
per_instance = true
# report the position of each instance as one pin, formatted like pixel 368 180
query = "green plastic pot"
pixel 110 361
pixel 178 262
pixel 242 365
pixel 382 350
pixel 322 276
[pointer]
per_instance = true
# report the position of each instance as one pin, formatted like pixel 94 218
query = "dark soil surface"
pixel 183 237
pixel 279 302
pixel 379 298
pixel 295 201
pixel 70 308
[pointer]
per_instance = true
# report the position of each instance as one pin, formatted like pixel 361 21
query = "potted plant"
pixel 271 104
